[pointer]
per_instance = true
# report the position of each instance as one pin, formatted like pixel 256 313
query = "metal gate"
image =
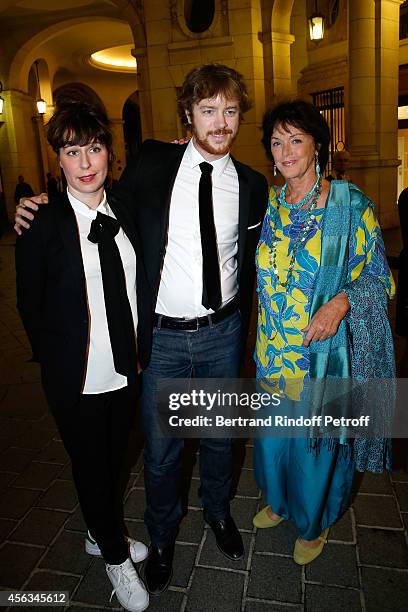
pixel 331 105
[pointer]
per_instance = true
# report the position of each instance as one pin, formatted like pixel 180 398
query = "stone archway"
pixel 277 39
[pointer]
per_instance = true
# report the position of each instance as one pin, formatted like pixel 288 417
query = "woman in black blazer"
pixel 76 294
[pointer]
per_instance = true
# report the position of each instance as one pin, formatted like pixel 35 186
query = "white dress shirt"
pixel 181 285
pixel 100 370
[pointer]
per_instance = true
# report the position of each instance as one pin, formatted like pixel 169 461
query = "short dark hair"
pixel 301 115
pixel 78 122
pixel 210 80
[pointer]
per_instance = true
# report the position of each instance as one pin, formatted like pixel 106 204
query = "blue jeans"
pixel 210 352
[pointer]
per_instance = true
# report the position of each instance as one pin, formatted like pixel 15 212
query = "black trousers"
pixel 95 432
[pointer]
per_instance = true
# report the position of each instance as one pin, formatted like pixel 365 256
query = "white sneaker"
pixel 127 586
pixel 137 550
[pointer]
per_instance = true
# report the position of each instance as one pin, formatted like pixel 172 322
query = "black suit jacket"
pixel 51 296
pixel 148 181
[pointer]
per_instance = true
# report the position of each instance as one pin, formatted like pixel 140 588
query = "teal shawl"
pixel 362 348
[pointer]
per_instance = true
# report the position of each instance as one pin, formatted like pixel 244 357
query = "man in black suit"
pixel 198 212
pixel 200 324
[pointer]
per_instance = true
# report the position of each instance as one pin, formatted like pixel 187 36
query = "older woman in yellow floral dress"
pixel 319 254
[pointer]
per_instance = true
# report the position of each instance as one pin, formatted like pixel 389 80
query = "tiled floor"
pixel 363 568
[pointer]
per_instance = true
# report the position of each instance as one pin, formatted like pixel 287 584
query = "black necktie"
pixel 118 311
pixel 211 266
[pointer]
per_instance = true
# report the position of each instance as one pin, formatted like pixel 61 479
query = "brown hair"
pixel 208 81
pixel 78 122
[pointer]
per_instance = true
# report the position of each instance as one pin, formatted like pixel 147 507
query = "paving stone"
pixel 61 495
pixel 323 599
pixel 16 460
pixel 184 557
pixel 247 485
pixel 66 473
pixel 95 587
pixel 16 502
pixel 249 458
pixel 13 427
pixel 336 565
pixel 342 530
pixel 380 547
pixel 37 476
pixel 39 527
pixel 170 601
pixel 5 443
pixel 76 522
pixel 243 510
pixel 375 483
pixel 384 590
pixel 17 562
pixel 191 527
pixel 277 578
pixel 399 476
pixel 280 539
pixel 6 478
pixel 210 555
pixel 34 438
pixel 24 400
pixel 257 606
pixel 135 504
pixel 402 495
pixel 223 589
pixel 67 554
pixel 53 453
pixel 6 527
pixel 47 581
pixel 376 511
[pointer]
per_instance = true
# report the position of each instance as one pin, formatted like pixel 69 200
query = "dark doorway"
pixel 132 128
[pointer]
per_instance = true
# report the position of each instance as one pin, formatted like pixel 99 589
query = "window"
pixel 403 33
pixel 331 104
pixel 199 14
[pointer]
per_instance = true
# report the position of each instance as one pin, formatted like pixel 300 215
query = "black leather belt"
pixel 195 324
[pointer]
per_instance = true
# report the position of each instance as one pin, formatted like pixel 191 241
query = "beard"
pixel 222 148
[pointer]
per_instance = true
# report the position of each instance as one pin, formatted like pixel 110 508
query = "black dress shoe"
pixel 159 569
pixel 228 538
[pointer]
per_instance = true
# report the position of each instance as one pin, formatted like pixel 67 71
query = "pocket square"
pixel 253 226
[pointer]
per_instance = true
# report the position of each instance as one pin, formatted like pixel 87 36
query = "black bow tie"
pixel 117 306
pixel 103 225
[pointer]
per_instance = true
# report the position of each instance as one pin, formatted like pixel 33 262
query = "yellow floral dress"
pixel 283 312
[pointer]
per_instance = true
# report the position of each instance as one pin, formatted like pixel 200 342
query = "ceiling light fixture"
pixel 316 25
pixel 1 99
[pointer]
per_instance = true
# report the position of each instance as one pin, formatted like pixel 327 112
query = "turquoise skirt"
pixel 311 488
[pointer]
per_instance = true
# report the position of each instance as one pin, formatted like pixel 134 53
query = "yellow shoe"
pixel 303 555
pixel 262 520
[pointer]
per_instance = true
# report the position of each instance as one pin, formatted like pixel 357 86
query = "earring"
pixel 274 170
pixel 317 164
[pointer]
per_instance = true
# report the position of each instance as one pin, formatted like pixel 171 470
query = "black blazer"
pixel 51 296
pixel 149 181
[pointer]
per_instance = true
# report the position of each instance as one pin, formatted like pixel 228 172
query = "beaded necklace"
pixel 302 202
pixel 304 230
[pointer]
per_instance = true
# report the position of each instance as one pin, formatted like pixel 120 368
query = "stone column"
pixel 22 147
pixel 119 162
pixel 373 101
pixel 282 74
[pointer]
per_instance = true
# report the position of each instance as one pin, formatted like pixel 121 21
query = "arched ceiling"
pixel 64 32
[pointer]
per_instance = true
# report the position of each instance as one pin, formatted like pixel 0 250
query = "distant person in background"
pixel 52 186
pixel 341 160
pixel 4 220
pixel 23 190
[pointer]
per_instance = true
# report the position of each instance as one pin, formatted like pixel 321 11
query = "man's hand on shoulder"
pixel 23 215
